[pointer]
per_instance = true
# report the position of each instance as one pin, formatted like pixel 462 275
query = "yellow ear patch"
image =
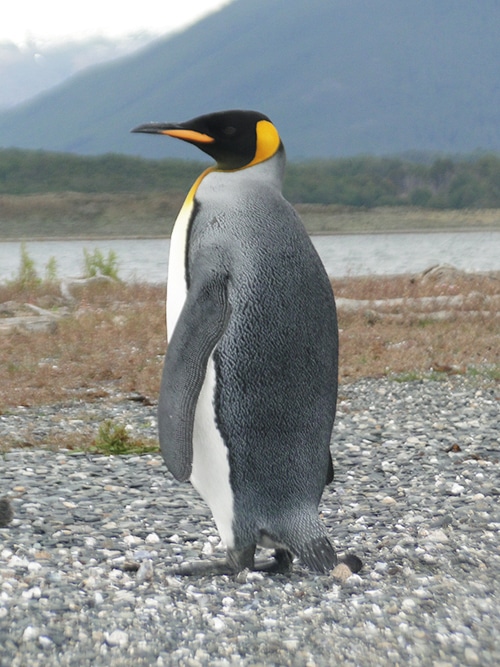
pixel 268 142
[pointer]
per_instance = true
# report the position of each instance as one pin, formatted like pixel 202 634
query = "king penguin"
pixel 249 385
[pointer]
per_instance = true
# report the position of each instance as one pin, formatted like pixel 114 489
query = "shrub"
pixel 27 276
pixel 96 264
pixel 114 439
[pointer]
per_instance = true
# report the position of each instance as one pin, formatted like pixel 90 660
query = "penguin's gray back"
pixel 276 363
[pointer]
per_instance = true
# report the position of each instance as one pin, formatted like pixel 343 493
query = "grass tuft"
pixel 114 439
pixel 96 264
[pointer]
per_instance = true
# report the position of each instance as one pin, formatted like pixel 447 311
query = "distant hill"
pixel 338 77
pixel 27 70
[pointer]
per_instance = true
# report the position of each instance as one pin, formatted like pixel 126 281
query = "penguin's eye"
pixel 229 131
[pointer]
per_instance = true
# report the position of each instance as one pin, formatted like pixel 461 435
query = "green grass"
pixel 114 439
pixel 97 264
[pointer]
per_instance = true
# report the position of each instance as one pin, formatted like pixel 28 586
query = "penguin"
pixel 249 385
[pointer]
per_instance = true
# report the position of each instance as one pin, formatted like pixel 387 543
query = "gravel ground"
pixel 84 564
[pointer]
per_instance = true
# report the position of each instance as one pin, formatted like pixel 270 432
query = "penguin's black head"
pixel 234 139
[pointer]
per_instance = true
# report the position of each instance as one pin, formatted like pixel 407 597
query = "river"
pixel 356 254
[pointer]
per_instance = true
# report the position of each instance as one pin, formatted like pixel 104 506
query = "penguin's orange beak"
pixel 175 131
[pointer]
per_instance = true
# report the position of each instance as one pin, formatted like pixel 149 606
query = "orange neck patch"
pixel 268 142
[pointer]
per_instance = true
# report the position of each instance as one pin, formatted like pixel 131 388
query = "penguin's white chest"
pixel 176 281
pixel 210 471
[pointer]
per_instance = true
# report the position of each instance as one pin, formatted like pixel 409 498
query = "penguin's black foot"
pixel 282 563
pixel 204 568
pixel 237 560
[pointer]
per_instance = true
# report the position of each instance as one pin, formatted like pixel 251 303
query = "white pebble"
pixel 152 538
pixel 399 550
pixel 408 604
pixel 30 633
pixel 34 593
pixel 45 642
pixel 217 623
pixel 116 638
pixel 145 571
pixel 208 549
pixel 380 566
pixel 437 536
pixel 33 566
pixel 17 562
pixel 471 657
pixel 354 580
pixel 457 489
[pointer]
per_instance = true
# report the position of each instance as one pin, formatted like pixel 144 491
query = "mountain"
pixel 34 67
pixel 338 77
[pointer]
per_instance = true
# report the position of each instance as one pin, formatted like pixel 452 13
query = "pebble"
pixel 116 638
pixel 87 557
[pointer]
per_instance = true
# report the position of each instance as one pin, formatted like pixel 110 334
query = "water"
pixel 357 254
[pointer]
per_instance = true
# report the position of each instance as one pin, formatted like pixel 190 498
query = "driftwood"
pixel 28 317
pixel 423 304
pixel 72 286
pixel 443 307
pixel 15 317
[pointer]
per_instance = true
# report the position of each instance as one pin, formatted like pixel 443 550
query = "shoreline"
pixel 144 237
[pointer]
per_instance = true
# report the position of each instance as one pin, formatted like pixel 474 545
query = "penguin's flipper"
pixel 200 325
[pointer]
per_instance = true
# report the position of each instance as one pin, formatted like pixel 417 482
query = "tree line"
pixel 363 181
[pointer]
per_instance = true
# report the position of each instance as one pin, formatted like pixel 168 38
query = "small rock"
pixel 437 536
pixel 471 657
pixel 408 604
pixel 116 638
pixel 45 642
pixel 34 593
pixel 30 633
pixel 145 571
pixel 342 572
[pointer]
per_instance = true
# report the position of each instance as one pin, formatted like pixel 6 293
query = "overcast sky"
pixel 61 20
